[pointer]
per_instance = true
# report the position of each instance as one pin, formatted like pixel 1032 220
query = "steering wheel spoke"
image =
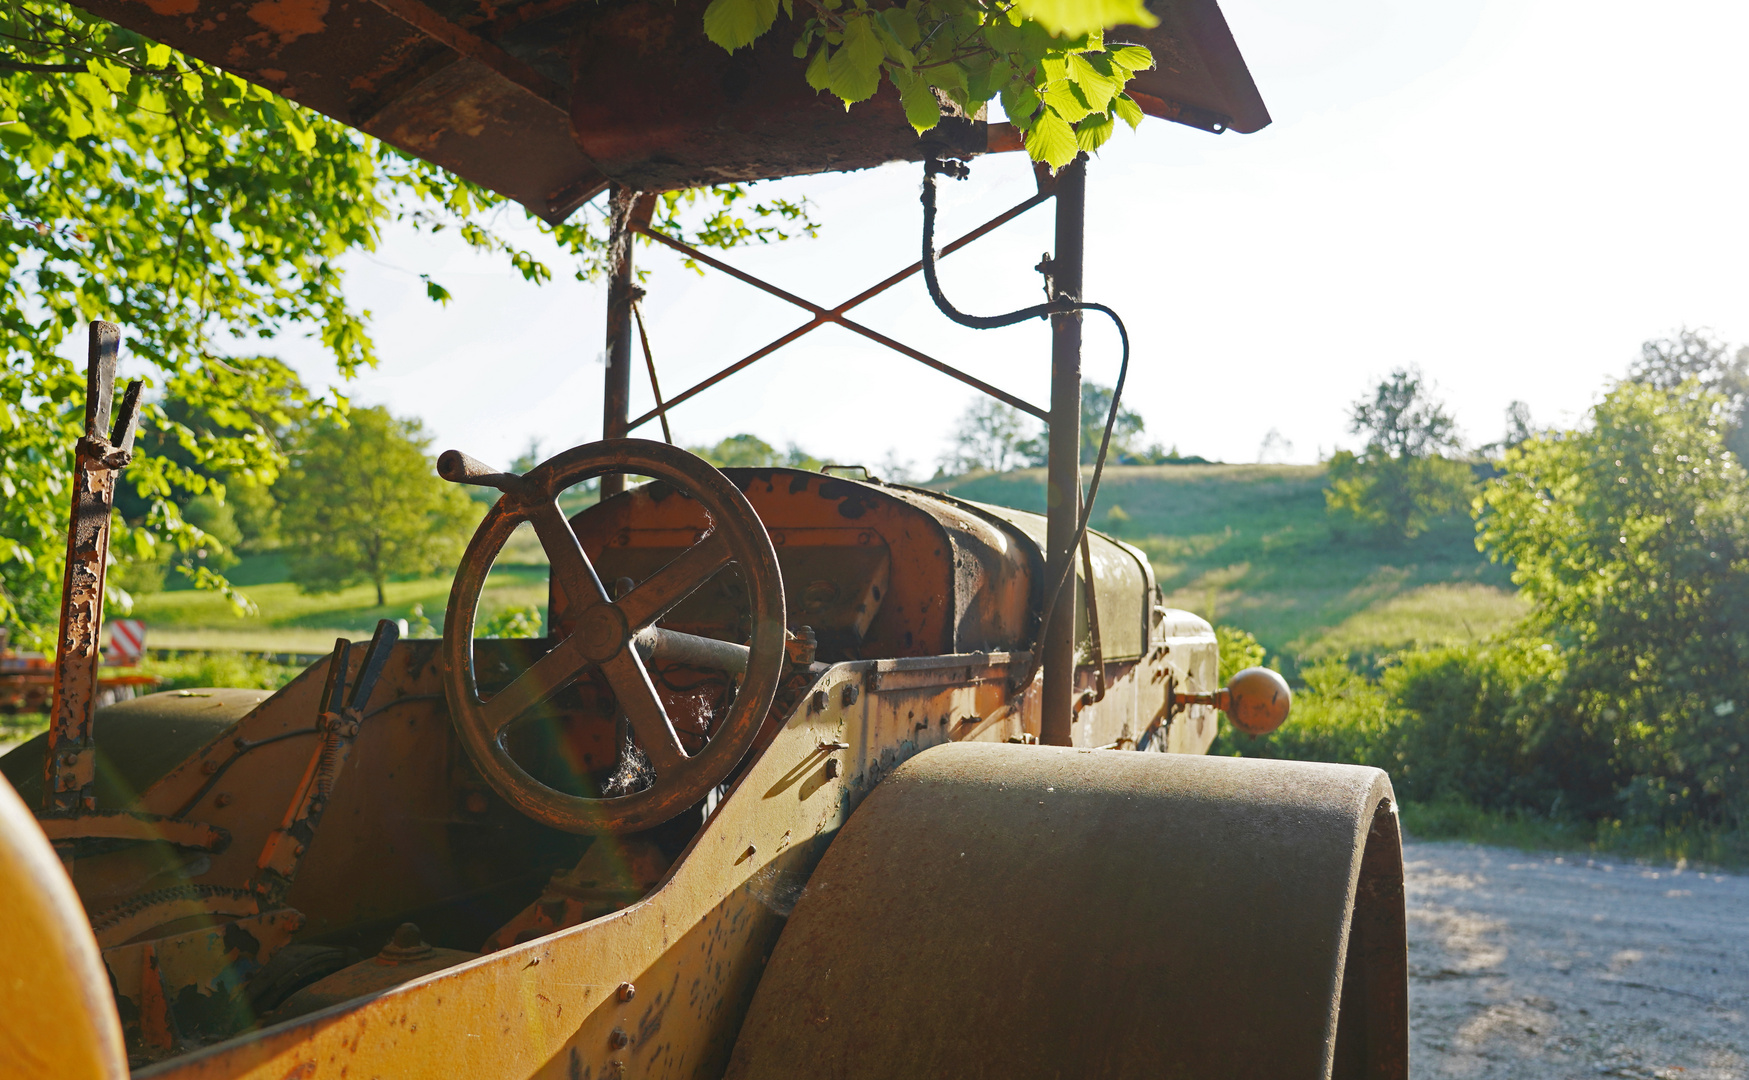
pixel 637 698
pixel 544 678
pixel 659 593
pixel 571 569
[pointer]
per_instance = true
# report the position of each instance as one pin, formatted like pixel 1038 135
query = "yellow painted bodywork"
pixel 56 1016
pixel 658 987
pixel 694 948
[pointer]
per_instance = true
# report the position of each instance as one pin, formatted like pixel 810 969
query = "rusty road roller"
pixel 813 776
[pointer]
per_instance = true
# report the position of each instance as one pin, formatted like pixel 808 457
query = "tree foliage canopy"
pixel 1631 535
pixel 363 503
pixel 1046 60
pixel 206 216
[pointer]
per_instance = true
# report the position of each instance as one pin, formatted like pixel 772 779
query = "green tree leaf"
pixel 1067 100
pixel 1097 86
pixel 854 71
pixel 1066 18
pixel 734 23
pixel 922 111
pixel 1091 133
pixel 1052 140
pixel 1127 110
pixel 816 73
pixel 1020 101
pixel 1132 58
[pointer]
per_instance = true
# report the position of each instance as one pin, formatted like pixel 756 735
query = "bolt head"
pixel 627 991
pixel 619 1039
pixel 224 799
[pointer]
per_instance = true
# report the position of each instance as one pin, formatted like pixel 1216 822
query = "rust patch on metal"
pixel 172 9
pixel 291 19
pixel 70 759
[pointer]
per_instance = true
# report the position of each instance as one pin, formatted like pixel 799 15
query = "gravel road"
pixel 1547 967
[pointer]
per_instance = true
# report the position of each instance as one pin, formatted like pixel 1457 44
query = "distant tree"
pixel 795 457
pixel 1519 427
pixel 528 459
pixel 1668 363
pixel 741 452
pixel 363 503
pixel 218 521
pixel 1275 447
pixel 1401 482
pixel 1126 432
pixel 990 436
pixel 897 469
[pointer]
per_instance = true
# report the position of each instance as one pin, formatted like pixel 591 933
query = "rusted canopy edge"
pixel 524 98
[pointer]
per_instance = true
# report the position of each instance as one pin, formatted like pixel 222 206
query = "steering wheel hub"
pixel 601 633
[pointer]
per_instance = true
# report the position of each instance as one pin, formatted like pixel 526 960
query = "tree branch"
pixel 42 69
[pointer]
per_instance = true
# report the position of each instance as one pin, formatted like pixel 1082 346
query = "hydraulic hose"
pixel 1060 306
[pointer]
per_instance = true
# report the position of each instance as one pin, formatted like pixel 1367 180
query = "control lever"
pixel 338 722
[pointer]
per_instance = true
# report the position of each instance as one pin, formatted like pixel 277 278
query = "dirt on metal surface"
pixel 1549 966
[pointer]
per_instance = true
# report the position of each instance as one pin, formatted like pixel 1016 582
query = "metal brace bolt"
pixel 849 694
pixel 619 1040
pixel 820 701
pixel 627 991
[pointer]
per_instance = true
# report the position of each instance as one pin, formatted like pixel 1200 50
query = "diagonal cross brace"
pixel 836 315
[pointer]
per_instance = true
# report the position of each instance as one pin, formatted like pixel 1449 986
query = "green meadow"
pixel 1244 545
pixel 1249 546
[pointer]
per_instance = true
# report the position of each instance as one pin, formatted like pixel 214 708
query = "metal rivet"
pixel 849 693
pixel 224 799
pixel 627 991
pixel 210 767
pixel 619 1039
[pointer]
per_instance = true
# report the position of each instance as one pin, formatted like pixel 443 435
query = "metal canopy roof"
pixel 548 101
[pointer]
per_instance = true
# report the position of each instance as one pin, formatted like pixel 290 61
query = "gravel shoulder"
pixel 1544 966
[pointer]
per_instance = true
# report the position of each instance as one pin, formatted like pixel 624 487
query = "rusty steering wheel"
pixel 603 632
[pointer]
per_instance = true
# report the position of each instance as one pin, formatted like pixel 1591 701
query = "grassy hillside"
pixel 1248 545
pixel 1245 545
pixel 292 621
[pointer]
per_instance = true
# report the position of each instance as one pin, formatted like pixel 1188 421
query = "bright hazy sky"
pixel 1510 194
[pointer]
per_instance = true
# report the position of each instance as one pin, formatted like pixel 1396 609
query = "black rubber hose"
pixel 991 322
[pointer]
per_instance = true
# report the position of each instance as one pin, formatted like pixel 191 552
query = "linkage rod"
pixel 823 316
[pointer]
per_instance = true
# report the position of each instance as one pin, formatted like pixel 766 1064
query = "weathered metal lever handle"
pixel 459 468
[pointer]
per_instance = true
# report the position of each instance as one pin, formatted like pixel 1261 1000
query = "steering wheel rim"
pixel 603 628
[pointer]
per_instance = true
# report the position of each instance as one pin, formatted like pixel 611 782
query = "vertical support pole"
pixel 616 397
pixel 70 760
pixel 1063 474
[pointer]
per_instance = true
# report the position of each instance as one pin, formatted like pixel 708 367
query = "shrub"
pixel 190 671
